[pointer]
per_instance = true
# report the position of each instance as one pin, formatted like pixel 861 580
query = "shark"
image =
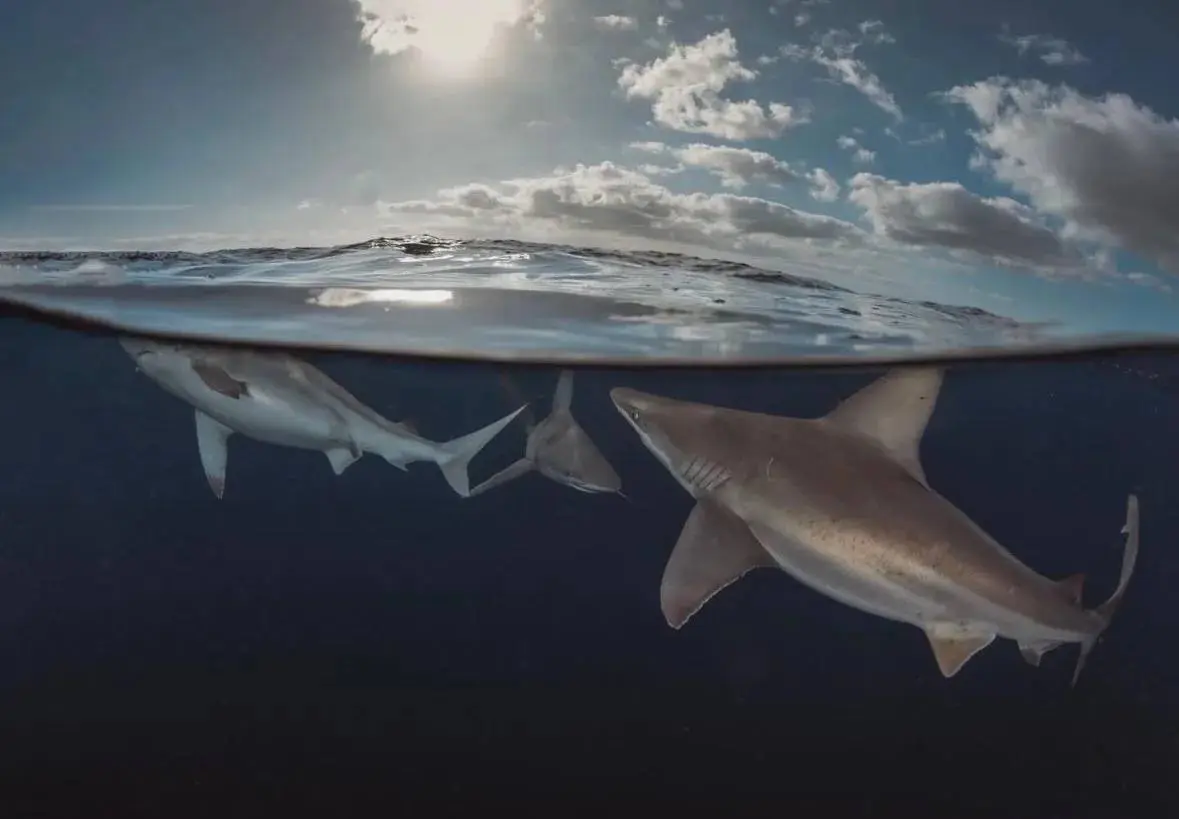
pixel 841 503
pixel 558 448
pixel 280 399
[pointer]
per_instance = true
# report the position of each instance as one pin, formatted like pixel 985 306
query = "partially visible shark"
pixel 560 449
pixel 280 399
pixel 842 504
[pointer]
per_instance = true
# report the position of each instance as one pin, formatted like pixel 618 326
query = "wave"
pixel 421 295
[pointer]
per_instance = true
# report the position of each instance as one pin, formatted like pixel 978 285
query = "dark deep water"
pixel 318 645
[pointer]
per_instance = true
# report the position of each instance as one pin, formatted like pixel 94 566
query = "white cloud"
pixel 617 22
pixel 685 88
pixel 836 52
pixel 946 215
pixel 1106 165
pixel 443 27
pixel 860 154
pixel 823 185
pixel 610 198
pixel 1052 50
pixel 738 167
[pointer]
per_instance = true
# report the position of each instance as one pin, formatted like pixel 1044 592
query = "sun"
pixel 453 36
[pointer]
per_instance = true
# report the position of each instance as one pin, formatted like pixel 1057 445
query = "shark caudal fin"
pixel 453 457
pixel 1107 609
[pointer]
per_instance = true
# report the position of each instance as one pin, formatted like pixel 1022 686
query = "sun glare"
pixel 453 36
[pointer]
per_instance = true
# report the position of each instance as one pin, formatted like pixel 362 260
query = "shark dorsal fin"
pixel 563 394
pixel 893 411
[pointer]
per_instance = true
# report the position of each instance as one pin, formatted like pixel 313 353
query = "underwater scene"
pixel 278 573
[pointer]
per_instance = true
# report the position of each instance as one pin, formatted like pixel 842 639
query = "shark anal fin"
pixel 220 381
pixel 1072 587
pixel 341 458
pixel 894 411
pixel 953 646
pixel 1034 652
pixel 563 394
pixel 213 445
pixel 715 549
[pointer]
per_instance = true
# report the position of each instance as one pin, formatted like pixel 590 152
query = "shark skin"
pixel 561 450
pixel 279 399
pixel 842 504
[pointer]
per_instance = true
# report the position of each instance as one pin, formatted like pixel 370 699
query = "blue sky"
pixel 1014 156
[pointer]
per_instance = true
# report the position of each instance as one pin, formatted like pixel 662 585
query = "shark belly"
pixel 265 415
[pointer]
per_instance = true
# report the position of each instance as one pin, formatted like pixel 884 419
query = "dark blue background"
pixel 314 643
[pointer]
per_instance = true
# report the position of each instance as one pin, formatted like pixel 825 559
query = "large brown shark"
pixel 560 449
pixel 841 503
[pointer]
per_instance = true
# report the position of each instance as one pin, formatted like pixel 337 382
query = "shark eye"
pixel 634 415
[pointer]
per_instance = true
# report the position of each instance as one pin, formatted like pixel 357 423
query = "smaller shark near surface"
pixel 842 504
pixel 279 399
pixel 560 449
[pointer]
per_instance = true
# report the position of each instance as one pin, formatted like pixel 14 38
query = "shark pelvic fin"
pixel 342 458
pixel 894 411
pixel 714 550
pixel 1034 652
pixel 213 445
pixel 954 645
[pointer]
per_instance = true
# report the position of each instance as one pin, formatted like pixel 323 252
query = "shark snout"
pixel 630 403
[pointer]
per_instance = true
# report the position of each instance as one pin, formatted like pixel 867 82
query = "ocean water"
pixel 314 642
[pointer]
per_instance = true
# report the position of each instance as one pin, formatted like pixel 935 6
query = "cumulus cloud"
pixel 836 51
pixel 739 167
pixel 616 22
pixel 1105 165
pixel 607 197
pixel 1051 50
pixel 685 89
pixel 946 215
pixel 859 153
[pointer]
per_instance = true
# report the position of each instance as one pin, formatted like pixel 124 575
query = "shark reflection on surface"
pixel 561 450
pixel 279 399
pixel 842 504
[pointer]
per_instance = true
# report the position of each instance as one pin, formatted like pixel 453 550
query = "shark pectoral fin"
pixel 213 445
pixel 563 394
pixel 220 381
pixel 508 473
pixel 1034 652
pixel 954 645
pixel 894 411
pixel 715 549
pixel 342 458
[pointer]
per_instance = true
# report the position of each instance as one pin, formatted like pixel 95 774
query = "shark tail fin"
pixel 1107 609
pixel 455 456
